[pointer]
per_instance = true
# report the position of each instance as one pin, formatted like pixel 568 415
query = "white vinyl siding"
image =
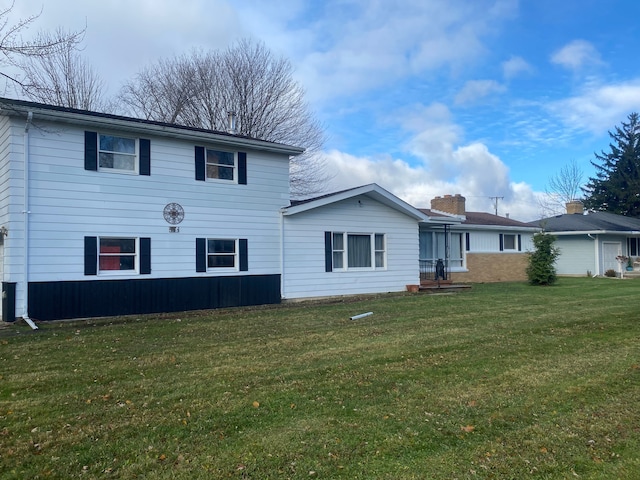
pixel 488 241
pixel 577 255
pixel 304 244
pixel 68 203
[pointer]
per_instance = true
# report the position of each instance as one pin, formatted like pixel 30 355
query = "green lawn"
pixel 505 381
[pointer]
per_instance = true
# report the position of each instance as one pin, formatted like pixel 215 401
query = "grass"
pixel 506 381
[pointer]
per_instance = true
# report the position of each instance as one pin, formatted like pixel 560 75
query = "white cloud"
pixel 448 167
pixel 599 108
pixel 122 36
pixel 481 176
pixel 514 67
pixel 475 90
pixel 576 55
pixel 361 45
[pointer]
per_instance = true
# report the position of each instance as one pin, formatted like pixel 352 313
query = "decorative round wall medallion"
pixel 173 213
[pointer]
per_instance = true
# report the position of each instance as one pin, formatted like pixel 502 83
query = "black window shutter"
pixel 90 151
pixel 501 242
pixel 200 165
pixel 242 168
pixel 201 254
pixel 467 241
pixel 90 255
pixel 145 256
pixel 328 252
pixel 244 255
pixel 519 242
pixel 145 156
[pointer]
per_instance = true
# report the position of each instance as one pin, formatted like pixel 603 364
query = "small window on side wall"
pixel 510 242
pixel 221 254
pixel 117 255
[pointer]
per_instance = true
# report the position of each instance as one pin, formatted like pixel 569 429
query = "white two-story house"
pixel 106 215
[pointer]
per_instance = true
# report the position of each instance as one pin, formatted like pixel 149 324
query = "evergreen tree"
pixel 541 269
pixel 616 186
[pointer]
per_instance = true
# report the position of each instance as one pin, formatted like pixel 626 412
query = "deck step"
pixel 443 286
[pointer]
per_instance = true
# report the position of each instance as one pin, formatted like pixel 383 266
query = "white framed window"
pixel 358 251
pixel 433 246
pixel 117 154
pixel 222 253
pixel 338 250
pixel 380 250
pixel 117 255
pixel 509 241
pixel 221 165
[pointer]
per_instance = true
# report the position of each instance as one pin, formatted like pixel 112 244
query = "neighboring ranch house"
pixel 482 247
pixel 590 242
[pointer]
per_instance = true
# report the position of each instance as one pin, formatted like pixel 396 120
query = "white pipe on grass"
pixel 362 315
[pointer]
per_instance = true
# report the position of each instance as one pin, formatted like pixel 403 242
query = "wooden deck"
pixel 442 285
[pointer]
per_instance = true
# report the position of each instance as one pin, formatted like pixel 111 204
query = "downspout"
pixel 597 250
pixel 282 292
pixel 26 212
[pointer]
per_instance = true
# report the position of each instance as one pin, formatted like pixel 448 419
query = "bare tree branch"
pixel 13 46
pixel 62 78
pixel 564 186
pixel 200 89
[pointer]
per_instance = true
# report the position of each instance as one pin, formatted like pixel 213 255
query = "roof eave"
pixel 502 228
pixel 372 191
pixel 97 121
pixel 595 232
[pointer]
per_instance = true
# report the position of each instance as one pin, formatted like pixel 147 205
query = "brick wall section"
pixel 493 267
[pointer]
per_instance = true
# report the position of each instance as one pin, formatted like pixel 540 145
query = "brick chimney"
pixel 575 206
pixel 454 204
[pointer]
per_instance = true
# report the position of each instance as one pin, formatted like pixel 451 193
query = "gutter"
pixel 99 121
pixel 26 212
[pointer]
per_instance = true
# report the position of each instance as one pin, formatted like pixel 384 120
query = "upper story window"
pixel 114 153
pixel 212 164
pixel 221 165
pixel 117 153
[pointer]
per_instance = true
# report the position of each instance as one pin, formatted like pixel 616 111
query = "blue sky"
pixel 427 97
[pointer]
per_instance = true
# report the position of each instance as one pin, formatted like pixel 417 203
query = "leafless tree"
pixel 13 48
pixel 63 78
pixel 564 186
pixel 199 90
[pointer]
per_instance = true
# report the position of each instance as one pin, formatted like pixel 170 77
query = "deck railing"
pixel 434 270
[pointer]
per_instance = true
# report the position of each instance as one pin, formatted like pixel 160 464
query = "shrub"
pixel 541 269
pixel 610 273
